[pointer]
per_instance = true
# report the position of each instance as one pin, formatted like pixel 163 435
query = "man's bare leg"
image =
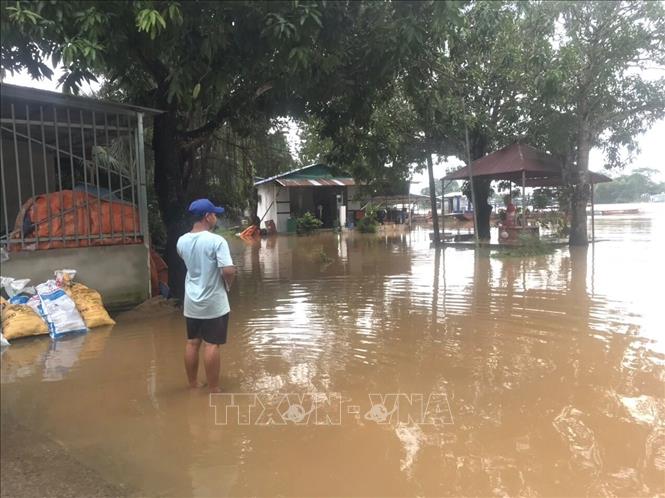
pixel 192 361
pixel 211 364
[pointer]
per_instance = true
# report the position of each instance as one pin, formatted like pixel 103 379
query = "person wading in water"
pixel 210 273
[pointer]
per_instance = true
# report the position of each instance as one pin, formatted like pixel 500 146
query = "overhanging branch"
pixel 197 135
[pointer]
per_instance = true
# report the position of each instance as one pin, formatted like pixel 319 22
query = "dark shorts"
pixel 211 330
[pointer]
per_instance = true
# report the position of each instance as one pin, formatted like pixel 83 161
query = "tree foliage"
pixel 595 92
pixel 313 147
pixel 215 64
pixel 629 188
pixel 381 85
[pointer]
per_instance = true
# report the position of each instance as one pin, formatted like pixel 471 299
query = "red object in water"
pixel 511 212
pixel 250 232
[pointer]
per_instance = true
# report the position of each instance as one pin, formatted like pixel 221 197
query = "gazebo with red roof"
pixel 521 163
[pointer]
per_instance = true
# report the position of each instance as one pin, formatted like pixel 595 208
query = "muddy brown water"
pixel 543 376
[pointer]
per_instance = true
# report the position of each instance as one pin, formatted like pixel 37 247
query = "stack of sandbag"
pixel 59 310
pixel 58 307
pixel 89 303
pixel 21 320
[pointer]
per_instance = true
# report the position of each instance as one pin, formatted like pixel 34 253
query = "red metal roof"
pixel 316 182
pixel 539 167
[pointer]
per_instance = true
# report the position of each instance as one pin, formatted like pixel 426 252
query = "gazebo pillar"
pixel 473 189
pixel 593 217
pixel 523 198
pixel 443 211
pixel 409 212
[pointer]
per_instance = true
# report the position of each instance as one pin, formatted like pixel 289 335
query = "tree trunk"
pixel 177 268
pixel 483 209
pixel 580 191
pixel 481 188
pixel 432 197
pixel 171 194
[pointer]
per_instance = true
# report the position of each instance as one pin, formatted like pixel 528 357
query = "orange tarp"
pixel 159 273
pixel 75 214
pixel 79 214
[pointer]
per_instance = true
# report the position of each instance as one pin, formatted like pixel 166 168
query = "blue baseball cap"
pixel 204 206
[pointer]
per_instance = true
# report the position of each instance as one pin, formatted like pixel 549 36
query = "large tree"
pixel 211 64
pixel 634 187
pixel 429 88
pixel 595 92
pixel 495 54
pixel 419 117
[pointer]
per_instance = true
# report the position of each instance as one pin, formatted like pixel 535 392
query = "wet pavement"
pixel 376 367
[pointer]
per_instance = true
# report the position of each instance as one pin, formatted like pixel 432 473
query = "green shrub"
pixel 542 197
pixel 307 223
pixel 529 246
pixel 555 221
pixel 369 223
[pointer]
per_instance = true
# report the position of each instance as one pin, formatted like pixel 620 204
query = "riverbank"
pixel 35 465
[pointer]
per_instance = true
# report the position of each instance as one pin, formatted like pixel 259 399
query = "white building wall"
pixel 266 193
pixel 274 204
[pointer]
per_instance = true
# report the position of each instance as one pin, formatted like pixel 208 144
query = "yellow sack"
pixel 20 320
pixel 89 303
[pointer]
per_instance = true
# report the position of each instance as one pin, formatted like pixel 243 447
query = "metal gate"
pixel 72 171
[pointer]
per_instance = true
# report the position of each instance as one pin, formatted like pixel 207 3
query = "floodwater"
pixel 420 374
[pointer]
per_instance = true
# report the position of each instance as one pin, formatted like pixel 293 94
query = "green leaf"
pixel 195 92
pixel 160 19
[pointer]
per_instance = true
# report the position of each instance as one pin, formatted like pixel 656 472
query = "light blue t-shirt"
pixel 204 254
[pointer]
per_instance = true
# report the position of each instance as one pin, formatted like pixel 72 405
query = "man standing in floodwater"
pixel 210 273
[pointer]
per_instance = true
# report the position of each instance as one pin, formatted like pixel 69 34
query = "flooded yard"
pixel 543 376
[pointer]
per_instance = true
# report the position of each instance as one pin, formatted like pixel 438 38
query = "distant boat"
pixel 465 216
pixel 609 212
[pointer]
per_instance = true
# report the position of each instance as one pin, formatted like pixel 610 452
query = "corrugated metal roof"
pixel 80 102
pixel 286 173
pixel 316 182
pixel 314 175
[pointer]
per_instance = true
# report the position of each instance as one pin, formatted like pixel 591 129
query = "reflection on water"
pixel 552 367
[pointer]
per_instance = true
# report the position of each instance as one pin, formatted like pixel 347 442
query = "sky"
pixel 651 143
